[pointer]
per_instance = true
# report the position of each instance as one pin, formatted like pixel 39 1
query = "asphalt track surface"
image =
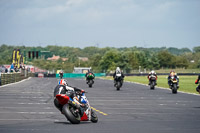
pixel 27 107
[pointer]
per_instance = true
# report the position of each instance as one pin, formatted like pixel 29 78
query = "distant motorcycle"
pixel 61 74
pixel 198 87
pixel 152 80
pixel 118 82
pixel 173 84
pixel 71 109
pixel 90 79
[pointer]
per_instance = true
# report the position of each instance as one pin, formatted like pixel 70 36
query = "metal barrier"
pixel 79 75
pixel 7 78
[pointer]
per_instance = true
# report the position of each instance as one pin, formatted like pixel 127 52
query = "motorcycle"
pixel 118 82
pixel 198 87
pixel 173 84
pixel 72 111
pixel 152 80
pixel 61 75
pixel 90 80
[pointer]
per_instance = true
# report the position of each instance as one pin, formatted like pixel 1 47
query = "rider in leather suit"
pixel 73 92
pixel 196 82
pixel 118 72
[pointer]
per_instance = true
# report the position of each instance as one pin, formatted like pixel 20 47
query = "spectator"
pixel 12 68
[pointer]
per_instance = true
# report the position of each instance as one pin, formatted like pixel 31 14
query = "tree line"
pixel 108 58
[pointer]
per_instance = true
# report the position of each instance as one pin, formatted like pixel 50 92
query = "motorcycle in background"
pixel 90 79
pixel 198 87
pixel 173 84
pixel 152 80
pixel 118 81
pixel 61 74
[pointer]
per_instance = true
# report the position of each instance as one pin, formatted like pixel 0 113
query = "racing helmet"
pixel 118 70
pixel 153 72
pixel 172 73
pixel 62 82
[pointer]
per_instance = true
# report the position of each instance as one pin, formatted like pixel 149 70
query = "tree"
pixel 123 62
pixel 154 62
pixel 181 62
pixel 94 62
pixel 133 60
pixel 196 49
pixel 109 60
pixel 165 59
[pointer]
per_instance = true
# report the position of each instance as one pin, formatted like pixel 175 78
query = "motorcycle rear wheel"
pixel 152 86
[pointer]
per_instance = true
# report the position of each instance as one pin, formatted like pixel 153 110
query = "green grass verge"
pixel 186 82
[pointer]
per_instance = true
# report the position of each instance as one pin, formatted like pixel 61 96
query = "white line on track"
pixel 39 113
pixel 32 92
pixel 29 120
pixel 162 113
pixel 34 97
pixel 33 103
pixel 15 82
pixel 25 107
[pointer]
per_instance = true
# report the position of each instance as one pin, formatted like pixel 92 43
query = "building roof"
pixel 83 58
pixel 54 58
pixel 64 59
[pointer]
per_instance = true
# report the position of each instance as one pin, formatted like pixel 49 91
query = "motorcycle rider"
pixel 86 75
pixel 61 74
pixel 196 82
pixel 152 73
pixel 118 73
pixel 173 74
pixel 73 92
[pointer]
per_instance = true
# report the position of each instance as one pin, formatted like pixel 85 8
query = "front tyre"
pixel 94 117
pixel 174 89
pixel 118 85
pixel 68 111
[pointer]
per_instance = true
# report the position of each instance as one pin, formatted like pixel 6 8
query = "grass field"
pixel 186 83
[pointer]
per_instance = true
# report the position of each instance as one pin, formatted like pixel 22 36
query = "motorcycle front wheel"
pixel 94 117
pixel 68 111
pixel 174 89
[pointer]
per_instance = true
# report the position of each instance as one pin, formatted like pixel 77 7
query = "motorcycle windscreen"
pixel 119 75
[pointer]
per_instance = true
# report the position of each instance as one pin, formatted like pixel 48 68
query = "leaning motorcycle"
pixel 198 87
pixel 152 80
pixel 90 79
pixel 118 82
pixel 173 84
pixel 72 111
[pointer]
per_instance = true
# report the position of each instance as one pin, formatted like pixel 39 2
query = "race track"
pixel 27 107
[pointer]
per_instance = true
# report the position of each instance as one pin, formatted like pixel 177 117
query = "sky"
pixel 101 23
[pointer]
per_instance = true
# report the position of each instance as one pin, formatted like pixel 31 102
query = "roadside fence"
pixel 7 78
